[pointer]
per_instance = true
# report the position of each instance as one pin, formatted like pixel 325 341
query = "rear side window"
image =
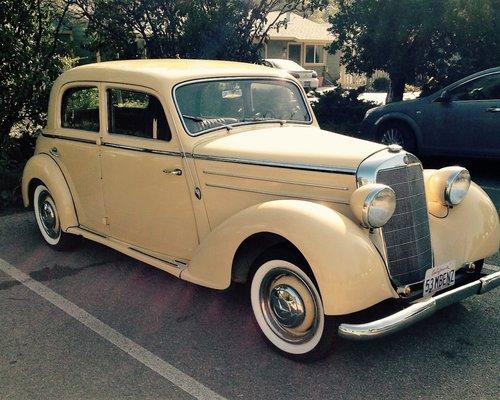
pixel 137 114
pixel 80 109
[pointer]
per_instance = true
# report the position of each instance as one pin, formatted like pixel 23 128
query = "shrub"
pixel 339 110
pixel 13 156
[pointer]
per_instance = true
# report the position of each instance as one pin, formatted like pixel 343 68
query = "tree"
pixel 424 42
pixel 30 59
pixel 216 29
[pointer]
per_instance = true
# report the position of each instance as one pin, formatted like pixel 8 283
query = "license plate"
pixel 439 278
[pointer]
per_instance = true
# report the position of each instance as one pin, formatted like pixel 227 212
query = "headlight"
pixel 373 204
pixel 457 187
pixel 449 185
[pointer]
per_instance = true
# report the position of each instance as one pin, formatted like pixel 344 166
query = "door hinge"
pixel 105 221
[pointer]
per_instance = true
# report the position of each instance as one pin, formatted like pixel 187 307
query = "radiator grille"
pixel 407 234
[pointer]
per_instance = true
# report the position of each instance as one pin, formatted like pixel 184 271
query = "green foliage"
pixel 339 110
pixel 209 29
pixel 30 59
pixel 426 42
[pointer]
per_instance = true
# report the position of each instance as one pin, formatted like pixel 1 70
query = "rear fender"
pixel 42 167
pixel 350 273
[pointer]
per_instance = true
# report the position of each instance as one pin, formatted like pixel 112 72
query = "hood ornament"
pixel 394 148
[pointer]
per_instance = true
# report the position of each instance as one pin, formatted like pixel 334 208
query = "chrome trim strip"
pixel 257 178
pixel 172 263
pixel 270 193
pixel 417 311
pixel 233 78
pixel 142 149
pixel 304 167
pixel 70 138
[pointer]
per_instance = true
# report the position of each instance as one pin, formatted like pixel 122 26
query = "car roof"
pixel 165 70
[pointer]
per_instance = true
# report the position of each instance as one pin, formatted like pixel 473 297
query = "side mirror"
pixel 444 97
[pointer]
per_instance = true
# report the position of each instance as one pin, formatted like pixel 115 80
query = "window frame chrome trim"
pixel 233 78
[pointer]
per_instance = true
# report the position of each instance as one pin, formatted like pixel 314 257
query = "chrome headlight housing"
pixel 448 185
pixel 373 204
pixel 457 186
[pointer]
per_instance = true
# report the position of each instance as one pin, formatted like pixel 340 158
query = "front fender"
pixel 350 272
pixel 45 169
pixel 465 233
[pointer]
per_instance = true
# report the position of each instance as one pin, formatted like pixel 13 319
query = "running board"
pixel 173 267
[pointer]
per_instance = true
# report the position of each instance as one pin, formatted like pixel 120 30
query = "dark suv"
pixel 461 119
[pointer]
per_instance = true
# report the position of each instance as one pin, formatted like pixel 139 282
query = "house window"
pixel 294 53
pixel 315 54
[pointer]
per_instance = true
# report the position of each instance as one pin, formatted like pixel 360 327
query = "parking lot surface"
pixel 205 339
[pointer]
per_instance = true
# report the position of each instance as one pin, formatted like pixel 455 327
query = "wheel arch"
pixel 42 169
pixel 253 247
pixel 350 273
pixel 402 119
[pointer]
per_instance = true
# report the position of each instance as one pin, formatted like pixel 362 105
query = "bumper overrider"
pixel 417 311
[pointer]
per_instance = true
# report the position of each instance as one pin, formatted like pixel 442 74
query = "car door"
pixel 75 149
pixel 468 123
pixel 146 192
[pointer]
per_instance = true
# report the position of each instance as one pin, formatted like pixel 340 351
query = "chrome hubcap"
pixel 392 136
pixel 288 305
pixel 48 215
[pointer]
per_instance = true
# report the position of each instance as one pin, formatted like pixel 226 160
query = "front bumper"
pixel 417 311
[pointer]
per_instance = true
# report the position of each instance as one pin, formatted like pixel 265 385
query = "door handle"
pixel 175 171
pixel 493 109
pixel 54 151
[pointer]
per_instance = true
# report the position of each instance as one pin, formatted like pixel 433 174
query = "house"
pixel 305 42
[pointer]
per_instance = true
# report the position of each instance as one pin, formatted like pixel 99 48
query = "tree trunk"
pixel 396 89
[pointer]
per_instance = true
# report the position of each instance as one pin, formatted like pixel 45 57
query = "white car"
pixel 307 78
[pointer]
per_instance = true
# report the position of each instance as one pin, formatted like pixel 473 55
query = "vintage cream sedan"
pixel 217 172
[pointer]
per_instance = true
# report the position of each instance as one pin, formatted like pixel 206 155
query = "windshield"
pixel 213 104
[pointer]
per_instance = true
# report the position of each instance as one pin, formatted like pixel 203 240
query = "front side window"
pixel 80 109
pixel 314 54
pixel 213 104
pixel 484 88
pixel 137 114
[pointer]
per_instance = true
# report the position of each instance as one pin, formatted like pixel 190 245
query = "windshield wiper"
pixel 258 119
pixel 201 119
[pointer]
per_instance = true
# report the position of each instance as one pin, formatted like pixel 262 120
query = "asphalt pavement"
pixel 96 324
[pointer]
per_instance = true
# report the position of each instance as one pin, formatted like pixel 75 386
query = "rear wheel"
pixel 288 309
pixel 394 132
pixel 48 221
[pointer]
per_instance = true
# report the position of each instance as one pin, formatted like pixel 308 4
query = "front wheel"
pixel 394 132
pixel 289 311
pixel 47 219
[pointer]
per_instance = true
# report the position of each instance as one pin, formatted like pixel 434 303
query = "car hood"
pixel 290 146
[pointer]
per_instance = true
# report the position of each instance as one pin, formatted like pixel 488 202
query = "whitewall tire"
pixel 47 219
pixel 289 311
